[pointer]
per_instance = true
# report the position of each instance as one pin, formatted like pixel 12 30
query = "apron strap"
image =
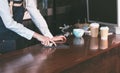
pixel 11 7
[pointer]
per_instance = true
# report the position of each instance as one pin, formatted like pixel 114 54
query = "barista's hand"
pixel 59 38
pixel 116 39
pixel 46 41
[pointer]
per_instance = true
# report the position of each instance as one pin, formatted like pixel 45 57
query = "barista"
pixel 11 21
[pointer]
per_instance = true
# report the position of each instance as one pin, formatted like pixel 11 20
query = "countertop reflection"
pixel 32 60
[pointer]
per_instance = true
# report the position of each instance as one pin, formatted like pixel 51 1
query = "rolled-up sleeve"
pixel 11 24
pixel 38 18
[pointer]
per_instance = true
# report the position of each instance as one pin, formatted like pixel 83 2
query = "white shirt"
pixel 19 28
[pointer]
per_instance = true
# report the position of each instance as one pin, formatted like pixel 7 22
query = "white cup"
pixel 94 28
pixel 93 43
pixel 103 44
pixel 104 32
pixel 78 32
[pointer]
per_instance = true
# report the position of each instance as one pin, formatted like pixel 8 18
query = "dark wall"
pixel 78 11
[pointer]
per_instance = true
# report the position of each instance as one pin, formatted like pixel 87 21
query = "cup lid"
pixel 104 27
pixel 94 24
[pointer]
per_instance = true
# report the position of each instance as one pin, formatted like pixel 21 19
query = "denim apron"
pixel 18 13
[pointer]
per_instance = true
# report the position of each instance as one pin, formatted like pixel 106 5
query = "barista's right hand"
pixel 46 41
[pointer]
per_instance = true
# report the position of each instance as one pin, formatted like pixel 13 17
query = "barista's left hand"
pixel 116 39
pixel 59 38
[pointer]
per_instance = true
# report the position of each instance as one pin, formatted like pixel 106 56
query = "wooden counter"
pixel 85 55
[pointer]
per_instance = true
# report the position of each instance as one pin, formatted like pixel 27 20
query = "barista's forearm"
pixel 37 36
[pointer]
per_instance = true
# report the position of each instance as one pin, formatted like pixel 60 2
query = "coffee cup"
pixel 94 28
pixel 104 32
pixel 103 44
pixel 94 43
